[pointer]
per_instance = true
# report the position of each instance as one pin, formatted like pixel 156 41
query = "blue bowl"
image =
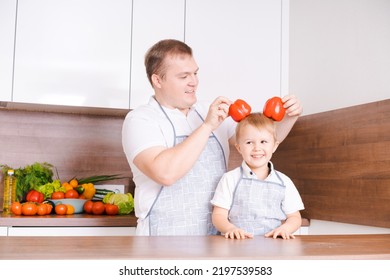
pixel 77 203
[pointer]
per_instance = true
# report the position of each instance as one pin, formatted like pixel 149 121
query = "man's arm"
pixel 293 111
pixel 166 165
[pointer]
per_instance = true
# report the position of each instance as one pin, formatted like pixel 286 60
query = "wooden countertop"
pixel 370 246
pixel 76 220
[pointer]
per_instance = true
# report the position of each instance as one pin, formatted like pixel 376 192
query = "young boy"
pixel 255 199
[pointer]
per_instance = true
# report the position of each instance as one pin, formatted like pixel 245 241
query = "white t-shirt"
pixel 223 196
pixel 146 127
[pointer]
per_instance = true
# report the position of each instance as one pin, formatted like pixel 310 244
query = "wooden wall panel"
pixel 76 144
pixel 340 163
pixel 339 160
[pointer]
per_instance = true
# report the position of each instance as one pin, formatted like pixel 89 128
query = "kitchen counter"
pixel 76 220
pixel 369 246
pixel 84 220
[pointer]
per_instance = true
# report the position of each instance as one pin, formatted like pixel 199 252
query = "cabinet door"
pixel 3 231
pixel 73 52
pixel 150 25
pixel 238 45
pixel 7 35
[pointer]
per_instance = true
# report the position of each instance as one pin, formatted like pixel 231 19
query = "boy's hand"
pixel 237 233
pixel 280 231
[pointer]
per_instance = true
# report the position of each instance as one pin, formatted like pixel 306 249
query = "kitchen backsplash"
pixel 78 145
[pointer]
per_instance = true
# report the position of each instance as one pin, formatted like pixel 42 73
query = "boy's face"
pixel 256 146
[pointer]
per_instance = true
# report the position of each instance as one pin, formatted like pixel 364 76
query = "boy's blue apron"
pixel 257 205
pixel 184 208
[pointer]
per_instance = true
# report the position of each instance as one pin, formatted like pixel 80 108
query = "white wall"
pixel 339 52
pixel 318 227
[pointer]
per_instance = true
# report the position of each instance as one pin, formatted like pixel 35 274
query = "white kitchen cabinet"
pixel 241 47
pixel 70 231
pixel 3 231
pixel 153 20
pixel 73 52
pixel 91 52
pixel 7 37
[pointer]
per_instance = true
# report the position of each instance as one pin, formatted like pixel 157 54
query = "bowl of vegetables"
pixel 77 203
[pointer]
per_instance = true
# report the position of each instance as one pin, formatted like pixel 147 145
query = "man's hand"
pixel 218 112
pixel 292 105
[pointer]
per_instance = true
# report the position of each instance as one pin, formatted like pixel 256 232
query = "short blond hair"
pixel 257 120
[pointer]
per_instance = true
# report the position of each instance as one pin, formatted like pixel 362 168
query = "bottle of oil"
pixel 9 191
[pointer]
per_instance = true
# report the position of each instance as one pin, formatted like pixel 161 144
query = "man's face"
pixel 177 87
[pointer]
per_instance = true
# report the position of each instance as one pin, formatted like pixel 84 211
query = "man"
pixel 178 149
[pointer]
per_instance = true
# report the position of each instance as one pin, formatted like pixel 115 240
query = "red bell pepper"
pixel 274 109
pixel 35 196
pixel 239 110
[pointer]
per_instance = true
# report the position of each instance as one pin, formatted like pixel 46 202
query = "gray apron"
pixel 184 208
pixel 257 205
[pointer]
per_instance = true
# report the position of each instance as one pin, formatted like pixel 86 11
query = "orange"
pixel 74 183
pixel 67 186
pixel 70 209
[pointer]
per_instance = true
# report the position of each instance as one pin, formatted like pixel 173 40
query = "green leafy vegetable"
pixel 30 176
pixel 48 188
pixel 99 178
pixel 124 201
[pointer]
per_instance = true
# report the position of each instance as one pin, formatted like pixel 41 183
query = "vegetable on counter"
pixel 30 176
pixel 87 190
pixel 86 186
pixel 49 188
pixel 35 196
pixel 35 187
pixel 99 179
pixel 124 201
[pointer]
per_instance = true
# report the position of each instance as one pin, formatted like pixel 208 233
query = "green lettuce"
pixel 48 188
pixel 124 201
pixel 30 176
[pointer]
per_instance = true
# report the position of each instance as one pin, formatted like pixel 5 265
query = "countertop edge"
pixel 75 220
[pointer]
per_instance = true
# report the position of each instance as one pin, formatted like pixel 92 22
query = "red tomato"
pixel 35 196
pixel 239 110
pixel 61 209
pixel 16 208
pixel 58 195
pixel 49 208
pixel 274 109
pixel 111 209
pixel 71 194
pixel 88 206
pixel 29 209
pixel 98 208
pixel 42 209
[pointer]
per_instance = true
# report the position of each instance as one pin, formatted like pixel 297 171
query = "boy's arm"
pixel 287 229
pixel 293 111
pixel 221 222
